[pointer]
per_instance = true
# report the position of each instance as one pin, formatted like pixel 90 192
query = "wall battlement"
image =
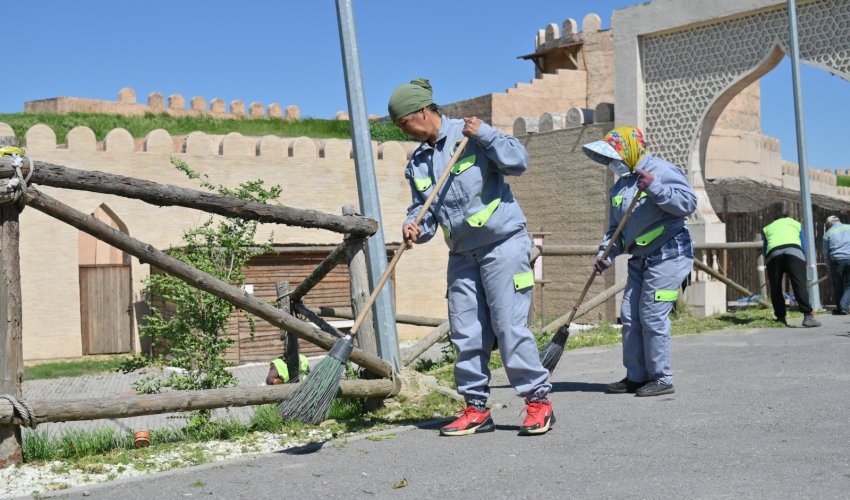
pixel 175 105
pixel 553 35
pixel 41 139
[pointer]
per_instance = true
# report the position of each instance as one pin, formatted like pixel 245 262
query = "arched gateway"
pixel 678 64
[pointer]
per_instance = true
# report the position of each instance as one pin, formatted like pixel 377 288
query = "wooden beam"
pixel 565 250
pixel 300 308
pixel 723 279
pixel 426 343
pixel 322 270
pixel 47 174
pixel 588 306
pixel 407 319
pixel 201 280
pixel 152 404
pixel 11 347
pixel 359 289
pixel 568 250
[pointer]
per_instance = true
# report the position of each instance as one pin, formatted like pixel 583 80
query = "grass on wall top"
pixel 140 126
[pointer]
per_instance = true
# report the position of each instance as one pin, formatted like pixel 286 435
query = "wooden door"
pixel 105 307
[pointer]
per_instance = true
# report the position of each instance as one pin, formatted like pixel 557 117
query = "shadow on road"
pixel 578 387
pixel 303 450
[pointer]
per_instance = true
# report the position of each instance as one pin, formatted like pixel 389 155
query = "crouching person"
pixel 279 372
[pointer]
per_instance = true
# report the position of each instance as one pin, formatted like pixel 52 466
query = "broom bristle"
pixel 310 403
pixel 551 353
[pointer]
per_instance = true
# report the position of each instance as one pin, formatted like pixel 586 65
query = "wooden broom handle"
pixel 425 206
pixel 604 256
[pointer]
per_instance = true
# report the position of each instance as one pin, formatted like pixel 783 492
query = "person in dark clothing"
pixel 784 254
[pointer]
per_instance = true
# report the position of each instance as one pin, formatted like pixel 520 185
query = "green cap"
pixel 410 97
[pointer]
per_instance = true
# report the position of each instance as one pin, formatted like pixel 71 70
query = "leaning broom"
pixel 551 352
pixel 310 402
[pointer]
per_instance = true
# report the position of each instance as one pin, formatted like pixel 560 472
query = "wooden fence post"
pixel 359 285
pixel 11 351
pixel 359 281
pixel 291 350
pixel 760 270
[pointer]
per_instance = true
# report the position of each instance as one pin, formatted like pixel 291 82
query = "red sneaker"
pixel 538 419
pixel 471 421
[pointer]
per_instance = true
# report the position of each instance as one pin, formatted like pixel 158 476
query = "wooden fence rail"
pixel 568 250
pixel 176 401
pixel 203 281
pixel 47 174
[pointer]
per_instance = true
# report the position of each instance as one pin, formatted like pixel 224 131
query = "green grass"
pixel 681 324
pixel 842 180
pixel 139 126
pixel 73 368
pixel 114 446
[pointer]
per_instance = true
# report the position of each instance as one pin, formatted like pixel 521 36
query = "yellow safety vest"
pixel 782 232
pixel 283 370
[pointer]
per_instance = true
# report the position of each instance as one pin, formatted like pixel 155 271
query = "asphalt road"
pixel 756 414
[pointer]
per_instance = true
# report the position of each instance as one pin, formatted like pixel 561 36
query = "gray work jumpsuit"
pixel 657 237
pixel 489 276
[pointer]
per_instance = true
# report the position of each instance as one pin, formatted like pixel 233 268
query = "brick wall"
pixel 314 174
pixel 565 193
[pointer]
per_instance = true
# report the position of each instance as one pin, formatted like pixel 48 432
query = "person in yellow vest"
pixel 279 372
pixel 784 248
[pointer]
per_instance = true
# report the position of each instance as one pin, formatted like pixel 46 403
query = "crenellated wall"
pixel 156 103
pixel 314 174
pixel 577 71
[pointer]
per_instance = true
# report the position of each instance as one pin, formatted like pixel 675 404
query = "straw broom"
pixel 551 353
pixel 312 400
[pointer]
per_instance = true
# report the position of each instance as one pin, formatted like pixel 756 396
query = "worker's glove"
pixel 600 265
pixel 644 180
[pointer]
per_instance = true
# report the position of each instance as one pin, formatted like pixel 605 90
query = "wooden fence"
pixel 15 412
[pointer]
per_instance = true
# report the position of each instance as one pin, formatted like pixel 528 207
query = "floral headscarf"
pixel 628 142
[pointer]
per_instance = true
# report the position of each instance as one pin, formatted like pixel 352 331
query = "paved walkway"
pixel 756 414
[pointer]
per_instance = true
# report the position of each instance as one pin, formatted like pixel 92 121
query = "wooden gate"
pixel 105 306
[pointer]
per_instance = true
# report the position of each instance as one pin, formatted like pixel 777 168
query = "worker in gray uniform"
pixel 836 254
pixel 489 275
pixel 657 237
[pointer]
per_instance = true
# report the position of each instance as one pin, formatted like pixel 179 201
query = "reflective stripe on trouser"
pixel 646 320
pixel 484 305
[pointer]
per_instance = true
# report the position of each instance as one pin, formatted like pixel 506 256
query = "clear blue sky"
pixel 288 52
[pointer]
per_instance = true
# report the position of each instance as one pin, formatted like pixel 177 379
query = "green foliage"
pixel 140 126
pixel 74 368
pixel 191 331
pixel 842 180
pixel 447 357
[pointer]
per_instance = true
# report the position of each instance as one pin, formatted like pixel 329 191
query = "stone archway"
pixel 679 65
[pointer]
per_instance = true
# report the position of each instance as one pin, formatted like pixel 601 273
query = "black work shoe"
pixel 783 321
pixel 655 388
pixel 624 386
pixel 809 321
pixel 839 312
